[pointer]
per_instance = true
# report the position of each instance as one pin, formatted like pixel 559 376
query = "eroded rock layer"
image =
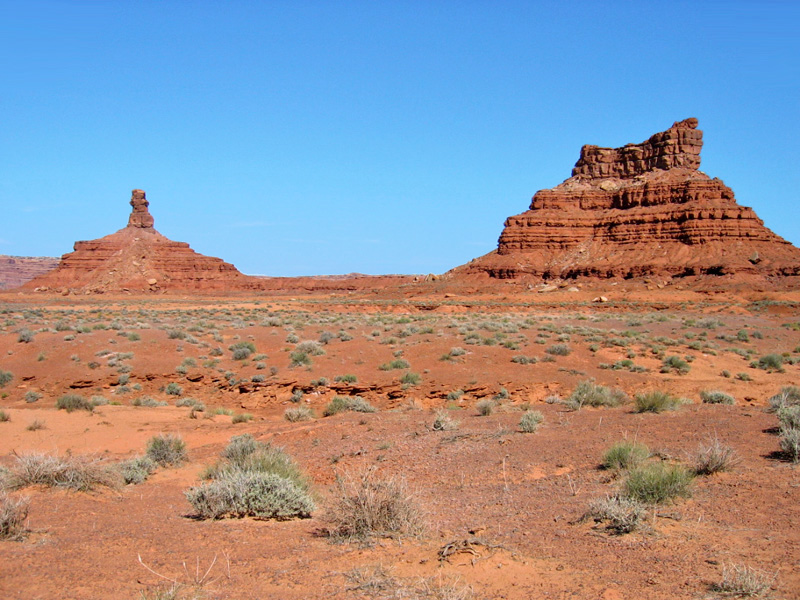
pixel 16 270
pixel 643 209
pixel 138 258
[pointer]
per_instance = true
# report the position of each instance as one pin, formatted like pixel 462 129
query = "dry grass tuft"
pixel 13 514
pixel 713 456
pixel 744 582
pixel 79 473
pixel 369 505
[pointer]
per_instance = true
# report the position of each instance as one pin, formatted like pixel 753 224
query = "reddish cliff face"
pixel 16 270
pixel 643 209
pixel 138 258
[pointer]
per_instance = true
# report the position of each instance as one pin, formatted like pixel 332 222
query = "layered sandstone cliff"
pixel 16 270
pixel 643 209
pixel 138 258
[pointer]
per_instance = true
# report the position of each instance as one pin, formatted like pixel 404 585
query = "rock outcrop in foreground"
pixel 138 258
pixel 643 209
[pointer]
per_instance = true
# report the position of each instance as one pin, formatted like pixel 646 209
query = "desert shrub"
pixel 558 350
pixel 716 397
pixel 298 413
pixel 297 396
pixel 5 378
pixel 242 418
pixel 72 402
pixel 655 401
pixel 347 378
pixel 625 455
pixel 242 350
pixel 4 416
pixel 148 402
pixel 790 442
pixel 348 403
pixel 299 359
pixel 588 393
pixel 166 449
pixel 398 363
pixel 191 402
pixel 455 395
pixel 253 479
pixel 25 336
pixel 310 347
pixel 137 469
pixel 410 378
pixel 369 505
pixel 442 421
pixel 623 514
pixel 457 351
pixel 173 389
pixel 744 582
pixel 240 447
pixel 789 416
pixel 98 401
pixel 35 425
pixel 524 360
pixel 788 396
pixel 530 421
pixel 771 362
pixel 239 493
pixel 80 473
pixel 485 407
pixel 674 364
pixel 176 334
pixel 712 456
pixel 657 482
pixel 13 515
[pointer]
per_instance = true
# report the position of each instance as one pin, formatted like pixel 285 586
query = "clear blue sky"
pixel 299 138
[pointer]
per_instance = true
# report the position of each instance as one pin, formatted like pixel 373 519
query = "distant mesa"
pixel 643 209
pixel 16 270
pixel 138 258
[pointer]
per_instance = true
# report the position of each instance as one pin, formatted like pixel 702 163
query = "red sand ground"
pixel 525 493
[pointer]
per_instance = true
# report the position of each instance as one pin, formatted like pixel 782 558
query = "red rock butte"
pixel 640 210
pixel 138 258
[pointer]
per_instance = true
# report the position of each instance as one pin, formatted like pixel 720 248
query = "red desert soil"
pixel 522 495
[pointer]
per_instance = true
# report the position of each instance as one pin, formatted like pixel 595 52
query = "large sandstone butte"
pixel 138 258
pixel 643 209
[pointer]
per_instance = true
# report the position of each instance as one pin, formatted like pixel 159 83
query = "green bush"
pixel 4 416
pixel 788 396
pixel 240 493
pixel 771 362
pixel 558 350
pixel 299 358
pixel 789 416
pixel 167 449
pixel 398 363
pixel 173 389
pixel 655 401
pixel 72 402
pixel 625 455
pixel 657 483
pixel 137 469
pixel 410 378
pixel 348 378
pixel 298 413
pixel 348 403
pixel 790 442
pixel 588 393
pixel 242 350
pixel 530 421
pixel 253 479
pixel 716 397
pixel 5 378
pixel 674 364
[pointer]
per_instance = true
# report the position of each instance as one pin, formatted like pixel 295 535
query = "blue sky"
pixel 301 138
